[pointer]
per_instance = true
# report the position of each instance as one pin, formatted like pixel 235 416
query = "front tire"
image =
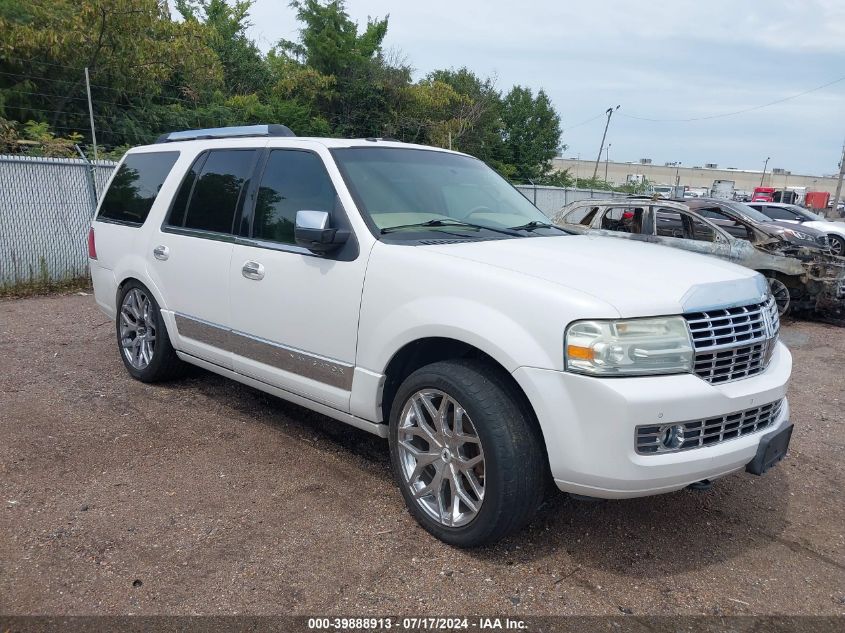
pixel 780 292
pixel 142 337
pixel 468 458
pixel 837 244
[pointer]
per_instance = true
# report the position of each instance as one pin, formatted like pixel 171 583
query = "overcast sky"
pixel 660 59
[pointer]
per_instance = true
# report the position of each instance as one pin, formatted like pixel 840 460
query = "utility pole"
pixel 766 164
pixel 606 159
pixel 91 112
pixel 609 113
pixel 834 210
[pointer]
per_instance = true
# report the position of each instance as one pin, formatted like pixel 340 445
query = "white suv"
pixel 413 293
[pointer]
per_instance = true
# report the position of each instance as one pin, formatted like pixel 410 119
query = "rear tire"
pixel 142 338
pixel 473 470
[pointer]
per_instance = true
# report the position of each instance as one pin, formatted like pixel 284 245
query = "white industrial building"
pixel 693 175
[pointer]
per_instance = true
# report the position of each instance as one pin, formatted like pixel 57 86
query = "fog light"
pixel 671 437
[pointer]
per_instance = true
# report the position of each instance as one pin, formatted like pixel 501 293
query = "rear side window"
pixel 213 190
pixel 582 215
pixel 292 181
pixel 134 188
pixel 779 213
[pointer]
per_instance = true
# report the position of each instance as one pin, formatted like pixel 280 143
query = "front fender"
pixel 469 321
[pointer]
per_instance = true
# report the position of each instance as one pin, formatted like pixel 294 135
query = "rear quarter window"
pixel 134 188
pixel 581 215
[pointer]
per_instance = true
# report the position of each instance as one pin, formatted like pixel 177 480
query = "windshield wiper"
pixel 447 222
pixel 535 224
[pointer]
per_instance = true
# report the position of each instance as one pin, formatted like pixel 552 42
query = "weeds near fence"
pixel 41 282
pixel 42 286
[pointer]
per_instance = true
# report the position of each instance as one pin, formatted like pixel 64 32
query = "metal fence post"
pixel 92 185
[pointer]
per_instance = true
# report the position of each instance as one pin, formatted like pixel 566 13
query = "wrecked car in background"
pixel 747 223
pixel 802 273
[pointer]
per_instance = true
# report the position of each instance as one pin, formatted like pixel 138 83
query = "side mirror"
pixel 313 232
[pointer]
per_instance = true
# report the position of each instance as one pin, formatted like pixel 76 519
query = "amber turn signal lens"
pixel 581 353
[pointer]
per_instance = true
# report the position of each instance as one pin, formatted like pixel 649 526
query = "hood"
pixel 637 279
pixel 825 227
pixel 785 231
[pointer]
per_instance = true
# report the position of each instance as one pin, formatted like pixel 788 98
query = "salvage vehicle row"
pixel 802 272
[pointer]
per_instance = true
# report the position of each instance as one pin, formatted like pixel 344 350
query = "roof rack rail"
pixel 226 132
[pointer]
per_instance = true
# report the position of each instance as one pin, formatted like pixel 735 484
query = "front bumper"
pixel 589 426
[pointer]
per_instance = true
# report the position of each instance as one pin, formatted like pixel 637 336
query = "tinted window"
pixel 779 213
pixel 214 190
pixel 136 184
pixel 292 181
pixel 180 203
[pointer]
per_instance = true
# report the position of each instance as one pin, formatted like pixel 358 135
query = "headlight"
pixel 630 347
pixel 799 235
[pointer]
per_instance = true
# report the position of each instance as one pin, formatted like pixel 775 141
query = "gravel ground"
pixel 207 497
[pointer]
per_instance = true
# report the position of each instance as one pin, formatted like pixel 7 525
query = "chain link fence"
pixel 46 206
pixel 550 199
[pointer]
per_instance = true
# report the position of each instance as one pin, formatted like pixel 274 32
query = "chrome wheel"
pixel 441 457
pixel 137 328
pixel 837 245
pixel 781 294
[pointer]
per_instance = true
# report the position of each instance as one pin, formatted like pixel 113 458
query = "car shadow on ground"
pixel 644 537
pixel 658 535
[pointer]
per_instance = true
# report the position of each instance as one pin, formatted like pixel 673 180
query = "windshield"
pixel 748 212
pixel 404 188
pixel 807 215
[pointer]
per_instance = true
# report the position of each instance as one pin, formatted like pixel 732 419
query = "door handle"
pixel 253 270
pixel 161 252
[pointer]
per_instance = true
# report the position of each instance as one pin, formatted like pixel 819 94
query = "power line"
pixel 590 120
pixel 79 69
pixel 114 103
pixel 743 111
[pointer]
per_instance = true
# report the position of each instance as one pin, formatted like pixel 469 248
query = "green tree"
pixel 531 133
pixel 225 25
pixel 134 52
pixel 478 123
pixel 365 85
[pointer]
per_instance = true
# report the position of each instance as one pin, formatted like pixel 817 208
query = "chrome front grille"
pixel 698 433
pixel 734 343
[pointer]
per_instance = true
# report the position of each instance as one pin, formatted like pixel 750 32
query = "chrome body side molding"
pixel 325 370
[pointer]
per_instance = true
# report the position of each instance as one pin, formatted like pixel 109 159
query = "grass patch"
pixel 42 285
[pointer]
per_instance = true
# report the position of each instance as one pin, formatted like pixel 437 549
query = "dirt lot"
pixel 208 497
